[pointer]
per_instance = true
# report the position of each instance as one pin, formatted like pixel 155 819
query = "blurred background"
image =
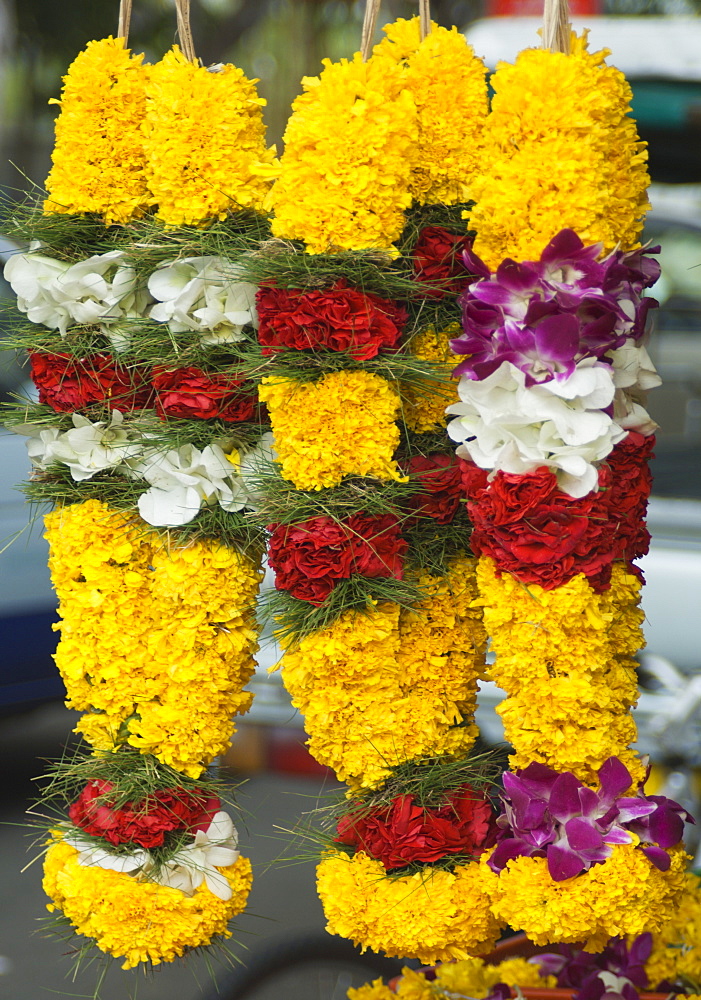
pixel 657 44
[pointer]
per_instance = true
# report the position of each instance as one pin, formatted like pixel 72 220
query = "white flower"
pixel 503 425
pixel 212 849
pixel 202 294
pixel 630 414
pixel 87 448
pixel 98 857
pixel 100 290
pixel 633 368
pixel 185 478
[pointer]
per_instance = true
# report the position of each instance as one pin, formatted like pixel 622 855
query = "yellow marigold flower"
pixel 139 921
pixel 349 146
pixel 450 117
pixel 626 894
pixel 676 946
pixel 562 656
pixel 204 139
pixel 342 425
pixel 434 915
pixel 144 626
pixel 98 158
pixel 412 986
pixel 473 977
pixel 424 401
pixel 390 685
pixel 559 150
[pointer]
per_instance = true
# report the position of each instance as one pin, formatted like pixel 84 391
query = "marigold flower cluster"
pixel 140 921
pixel 435 914
pixel 98 159
pixel 470 977
pixel 345 173
pixel 450 117
pixel 341 425
pixel 145 628
pixel 183 137
pixel 626 894
pixel 424 401
pixel 204 141
pixel 570 680
pixel 562 118
pixel 390 685
pixel 676 946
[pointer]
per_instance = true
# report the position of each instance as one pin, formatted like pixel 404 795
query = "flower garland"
pixel 594 163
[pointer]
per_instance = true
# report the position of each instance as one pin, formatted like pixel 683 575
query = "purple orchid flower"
pixel 555 816
pixel 544 316
pixel 617 971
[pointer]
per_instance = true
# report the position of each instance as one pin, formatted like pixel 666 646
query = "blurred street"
pixel 36 967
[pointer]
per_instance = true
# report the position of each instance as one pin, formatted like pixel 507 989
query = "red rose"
pixel 438 259
pixel 538 533
pixel 405 832
pixel 144 823
pixel 310 557
pixel 68 384
pixel 197 395
pixel 439 479
pixel 337 318
pixel 631 481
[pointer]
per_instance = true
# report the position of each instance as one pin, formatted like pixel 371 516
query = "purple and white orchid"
pixel 544 316
pixel 616 972
pixel 555 816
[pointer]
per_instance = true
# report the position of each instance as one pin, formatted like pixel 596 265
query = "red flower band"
pixel 438 259
pixel 439 483
pixel 405 832
pixel 198 395
pixel 309 558
pixel 144 823
pixel 68 384
pixel 337 319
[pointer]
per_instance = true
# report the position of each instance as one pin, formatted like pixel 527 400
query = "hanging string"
pixel 424 18
pixel 556 26
pixel 124 20
pixel 372 9
pixel 187 45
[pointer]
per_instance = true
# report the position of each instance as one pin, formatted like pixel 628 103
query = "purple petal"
pixel 582 836
pixel 666 826
pixel 617 835
pixel 614 778
pixel 641 949
pixel 562 863
pixel 516 277
pixel 475 265
pixel 634 808
pixel 565 244
pixel 658 857
pixel 507 850
pixel 557 337
pixel 564 797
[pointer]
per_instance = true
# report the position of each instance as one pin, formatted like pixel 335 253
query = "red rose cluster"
pixel 310 558
pixel 197 395
pixel 438 477
pixel 337 319
pixel 438 260
pixel 144 823
pixel 67 384
pixel 541 535
pixel 405 832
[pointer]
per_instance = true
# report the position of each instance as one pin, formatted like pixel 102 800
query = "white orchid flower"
pixel 204 295
pixel 183 480
pixel 503 425
pixel 212 849
pixel 633 368
pixel 100 290
pixel 87 448
pixel 98 857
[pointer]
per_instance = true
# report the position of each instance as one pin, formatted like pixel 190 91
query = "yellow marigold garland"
pixel 447 82
pixel 563 657
pixel 435 914
pixel 341 425
pixel 559 150
pixel 390 685
pixel 98 157
pixel 424 401
pixel 345 172
pixel 626 894
pixel 156 643
pixel 139 921
pixel 204 140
